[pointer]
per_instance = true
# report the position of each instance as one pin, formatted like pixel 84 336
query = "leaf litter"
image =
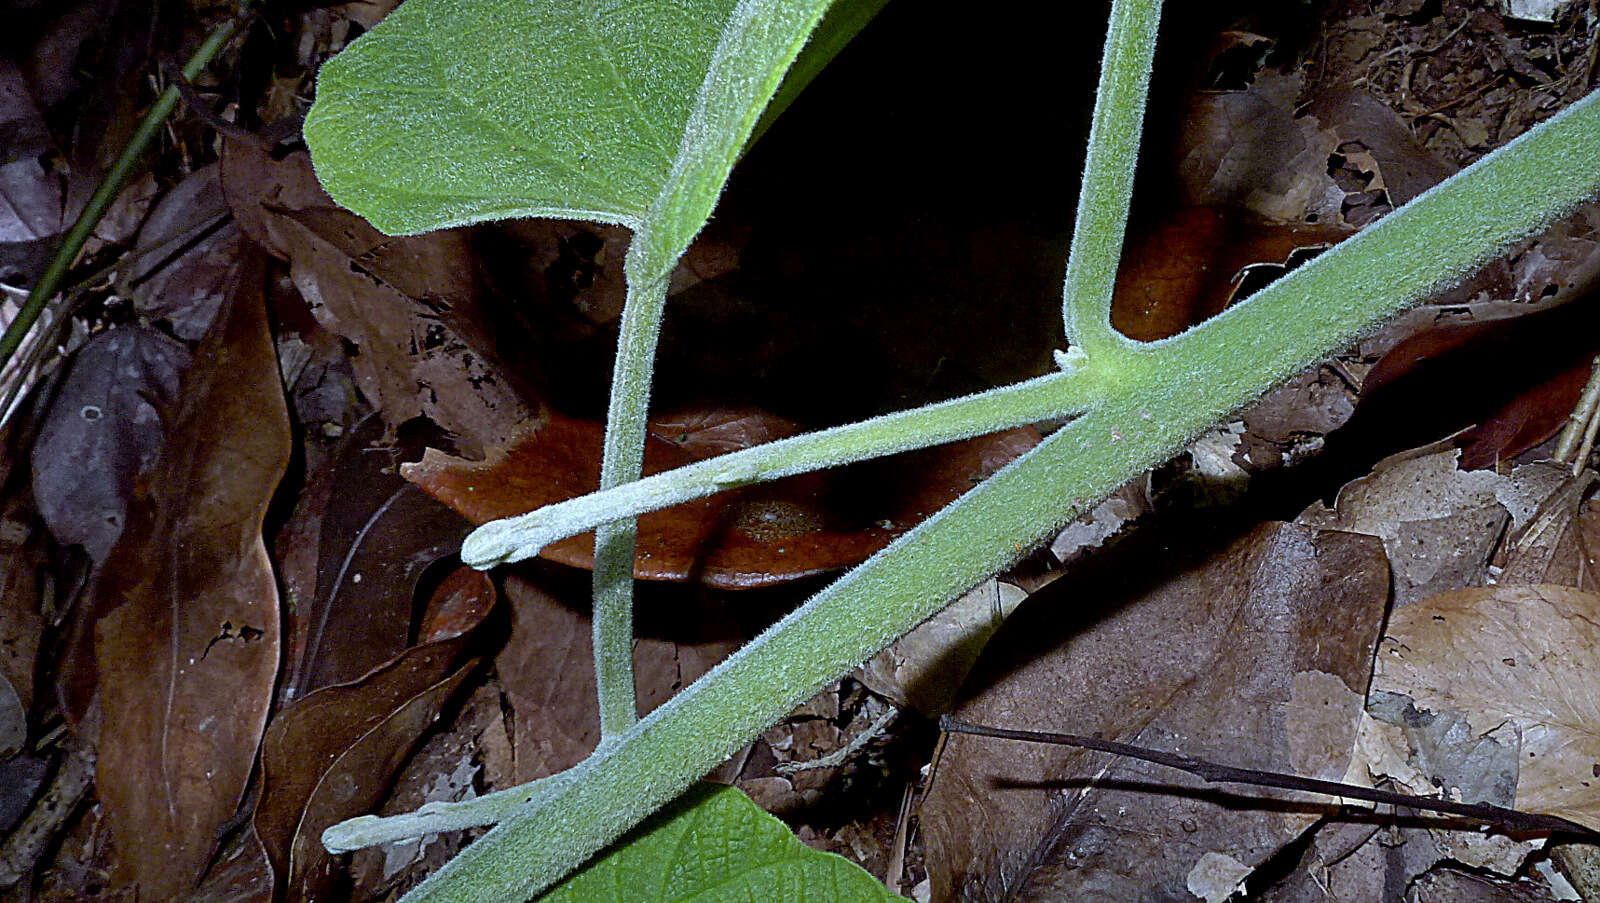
pixel 420 331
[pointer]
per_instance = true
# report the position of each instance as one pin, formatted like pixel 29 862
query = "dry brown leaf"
pixel 547 669
pixel 331 755
pixel 1256 656
pixel 187 651
pixel 1439 524
pixel 411 304
pixel 1518 665
pixel 372 539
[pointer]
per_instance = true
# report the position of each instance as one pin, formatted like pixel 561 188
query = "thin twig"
pixel 1212 772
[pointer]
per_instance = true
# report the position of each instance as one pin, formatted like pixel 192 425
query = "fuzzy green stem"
pixel 106 192
pixel 614 542
pixel 515 538
pixel 1107 191
pixel 1176 389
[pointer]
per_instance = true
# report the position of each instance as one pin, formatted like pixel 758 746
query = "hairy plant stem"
pixel 515 538
pixel 1169 392
pixel 106 192
pixel 1102 219
pixel 614 541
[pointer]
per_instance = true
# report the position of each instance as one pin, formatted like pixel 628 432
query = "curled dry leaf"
pixel 1517 664
pixel 756 536
pixel 187 648
pixel 1257 656
pixel 331 755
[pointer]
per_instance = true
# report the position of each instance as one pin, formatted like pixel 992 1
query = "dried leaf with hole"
pixel 1517 666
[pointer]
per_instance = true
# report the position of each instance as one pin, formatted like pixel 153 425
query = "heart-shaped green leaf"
pixel 711 845
pixel 458 111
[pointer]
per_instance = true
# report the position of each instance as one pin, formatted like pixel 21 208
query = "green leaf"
pixel 714 844
pixel 458 111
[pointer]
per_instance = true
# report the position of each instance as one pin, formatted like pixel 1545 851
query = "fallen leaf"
pixel 103 430
pixel 1251 150
pixel 1256 656
pixel 1516 663
pixel 547 669
pixel 1439 524
pixel 187 650
pixel 331 755
pixel 186 256
pixel 924 669
pixel 373 536
pixel 412 305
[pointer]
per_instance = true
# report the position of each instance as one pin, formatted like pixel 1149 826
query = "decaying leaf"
pixel 187 650
pixel 1515 665
pixel 102 432
pixel 547 669
pixel 1439 524
pixel 373 536
pixel 924 669
pixel 331 755
pixel 411 305
pixel 186 256
pixel 1256 656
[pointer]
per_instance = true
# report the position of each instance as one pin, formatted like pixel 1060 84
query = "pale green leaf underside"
pixel 716 846
pixel 459 111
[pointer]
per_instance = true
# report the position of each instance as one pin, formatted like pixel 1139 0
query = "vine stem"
pixel 1103 202
pixel 1047 397
pixel 106 192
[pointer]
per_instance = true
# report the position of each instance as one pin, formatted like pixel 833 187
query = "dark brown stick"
pixel 1211 772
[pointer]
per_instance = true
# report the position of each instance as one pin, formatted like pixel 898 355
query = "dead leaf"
pixel 1256 656
pixel 1516 664
pixel 371 536
pixel 186 257
pixel 757 536
pixel 412 305
pixel 1250 150
pixel 1439 524
pixel 102 432
pixel 331 755
pixel 547 669
pixel 187 651
pixel 924 669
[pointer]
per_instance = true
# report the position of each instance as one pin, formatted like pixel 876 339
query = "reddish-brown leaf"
pixel 756 536
pixel 188 649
